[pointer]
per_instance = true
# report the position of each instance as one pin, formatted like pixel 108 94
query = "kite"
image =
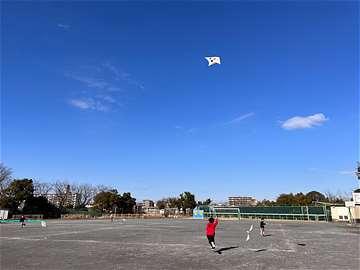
pixel 248 233
pixel 212 60
pixel 22 205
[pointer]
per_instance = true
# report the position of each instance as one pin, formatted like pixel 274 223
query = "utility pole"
pixel 358 172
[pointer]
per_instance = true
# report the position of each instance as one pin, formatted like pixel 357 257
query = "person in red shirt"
pixel 210 231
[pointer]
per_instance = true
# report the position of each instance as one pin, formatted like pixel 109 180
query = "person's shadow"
pixel 226 248
pixel 260 250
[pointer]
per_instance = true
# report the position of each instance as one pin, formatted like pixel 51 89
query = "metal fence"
pixel 314 213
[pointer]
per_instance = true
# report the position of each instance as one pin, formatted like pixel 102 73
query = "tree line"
pixel 186 200
pixel 28 196
pixel 309 198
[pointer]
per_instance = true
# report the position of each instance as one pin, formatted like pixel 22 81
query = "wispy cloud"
pixel 107 98
pixel 303 122
pixel 191 130
pixel 89 104
pixel 122 75
pixel 240 118
pixel 90 81
pixel 332 172
pixel 186 130
pixel 114 89
pixel 106 87
pixel 63 26
pixel 347 172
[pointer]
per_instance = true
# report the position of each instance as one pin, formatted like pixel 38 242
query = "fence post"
pixel 307 211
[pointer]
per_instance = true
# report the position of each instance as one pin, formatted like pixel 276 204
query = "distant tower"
pixel 67 191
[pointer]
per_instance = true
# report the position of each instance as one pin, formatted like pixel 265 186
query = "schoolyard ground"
pixel 177 244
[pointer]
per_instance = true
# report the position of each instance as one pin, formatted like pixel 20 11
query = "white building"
pixel 242 201
pixel 350 212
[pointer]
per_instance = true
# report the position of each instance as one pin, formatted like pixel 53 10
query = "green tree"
pixel 162 204
pixel 174 202
pixel 286 199
pixel 206 202
pixel 16 194
pixel 266 203
pixel 301 199
pixel 107 200
pixel 40 205
pixel 187 200
pixel 127 203
pixel 315 196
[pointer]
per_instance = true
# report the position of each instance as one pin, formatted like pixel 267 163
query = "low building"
pixel 340 213
pixel 171 212
pixel 138 208
pixel 147 203
pixel 151 211
pixel 4 213
pixel 350 212
pixel 242 201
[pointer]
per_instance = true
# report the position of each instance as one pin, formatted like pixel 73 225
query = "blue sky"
pixel 120 94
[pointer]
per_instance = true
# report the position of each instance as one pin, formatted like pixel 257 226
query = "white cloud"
pixel 89 104
pixel 240 118
pixel 81 104
pixel 302 122
pixel 64 26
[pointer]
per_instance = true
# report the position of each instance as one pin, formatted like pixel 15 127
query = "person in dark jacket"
pixel 262 227
pixel 22 220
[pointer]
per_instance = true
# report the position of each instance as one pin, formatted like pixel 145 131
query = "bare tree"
pixel 102 188
pixel 335 198
pixel 329 196
pixel 344 196
pixel 85 192
pixel 62 189
pixel 42 188
pixel 5 177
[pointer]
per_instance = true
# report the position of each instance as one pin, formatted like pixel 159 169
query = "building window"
pixel 346 217
pixel 340 217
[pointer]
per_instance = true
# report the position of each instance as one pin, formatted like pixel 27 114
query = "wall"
pixel 341 213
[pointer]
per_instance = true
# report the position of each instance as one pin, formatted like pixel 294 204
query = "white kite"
pixel 248 233
pixel 212 60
